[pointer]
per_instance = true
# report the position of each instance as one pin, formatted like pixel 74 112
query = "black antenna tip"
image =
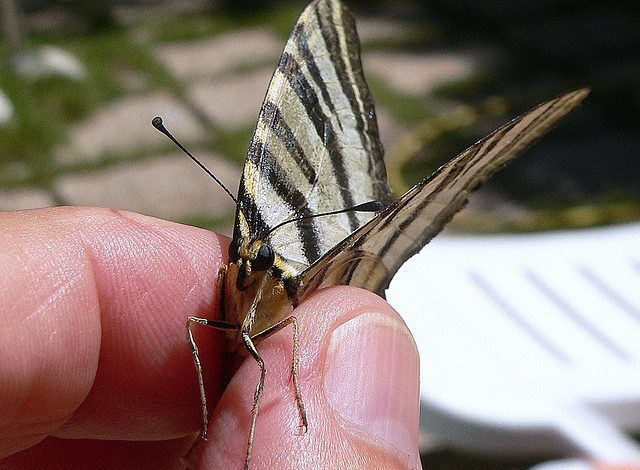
pixel 371 206
pixel 157 123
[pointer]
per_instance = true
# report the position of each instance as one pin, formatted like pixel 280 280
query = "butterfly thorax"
pixel 255 284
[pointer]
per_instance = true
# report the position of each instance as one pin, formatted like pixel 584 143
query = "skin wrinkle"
pixel 40 310
pixel 91 273
pixel 218 250
pixel 165 243
pixel 66 285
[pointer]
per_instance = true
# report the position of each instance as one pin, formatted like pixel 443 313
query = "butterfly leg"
pixel 248 340
pixel 248 343
pixel 295 366
pixel 218 325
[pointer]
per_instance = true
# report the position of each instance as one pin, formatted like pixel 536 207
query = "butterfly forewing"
pixel 370 256
pixel 316 146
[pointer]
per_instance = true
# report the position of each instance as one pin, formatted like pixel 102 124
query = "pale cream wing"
pixel 316 147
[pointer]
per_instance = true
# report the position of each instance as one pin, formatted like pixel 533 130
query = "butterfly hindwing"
pixel 370 256
pixel 316 146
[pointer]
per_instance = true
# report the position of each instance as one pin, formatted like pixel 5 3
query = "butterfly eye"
pixel 264 259
pixel 234 248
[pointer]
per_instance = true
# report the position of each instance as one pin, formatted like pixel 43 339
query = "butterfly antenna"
pixel 158 124
pixel 371 206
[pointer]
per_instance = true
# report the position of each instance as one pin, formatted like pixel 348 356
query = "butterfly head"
pixel 253 257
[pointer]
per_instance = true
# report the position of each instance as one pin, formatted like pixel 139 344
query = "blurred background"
pixel 80 82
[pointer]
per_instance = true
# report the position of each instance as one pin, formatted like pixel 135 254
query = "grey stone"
pixel 133 14
pixel 418 74
pixel 391 131
pixel 124 126
pixel 381 29
pixel 24 198
pixel 132 80
pixel 16 170
pixel 170 187
pixel 6 109
pixel 222 54
pixel 50 60
pixel 232 102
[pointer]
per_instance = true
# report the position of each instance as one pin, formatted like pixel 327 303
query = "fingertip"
pixel 371 381
pixel 359 384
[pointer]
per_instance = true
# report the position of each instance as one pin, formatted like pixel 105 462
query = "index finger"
pixel 92 325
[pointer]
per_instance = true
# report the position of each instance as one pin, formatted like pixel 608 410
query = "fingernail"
pixel 372 380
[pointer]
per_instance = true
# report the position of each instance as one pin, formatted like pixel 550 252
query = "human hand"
pixel 96 371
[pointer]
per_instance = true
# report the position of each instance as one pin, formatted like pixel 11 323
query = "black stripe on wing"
pixel 334 46
pixel 345 49
pixel 323 127
pixel 371 256
pixel 300 38
pixel 249 209
pixel 286 190
pixel 273 120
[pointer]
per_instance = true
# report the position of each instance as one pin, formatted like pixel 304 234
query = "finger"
pixel 94 304
pixel 70 454
pixel 360 386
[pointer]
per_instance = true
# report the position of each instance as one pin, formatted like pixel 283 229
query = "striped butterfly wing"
pixel 370 256
pixel 316 146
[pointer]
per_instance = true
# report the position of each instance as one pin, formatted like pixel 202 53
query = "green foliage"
pixel 234 144
pixel 46 107
pixel 408 109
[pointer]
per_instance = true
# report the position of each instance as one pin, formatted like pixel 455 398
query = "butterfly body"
pixel 262 294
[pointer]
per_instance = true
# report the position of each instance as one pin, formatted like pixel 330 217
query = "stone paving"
pixel 165 186
pixel 222 54
pixel 114 158
pixel 123 127
pixel 25 198
pixel 231 102
pixel 417 74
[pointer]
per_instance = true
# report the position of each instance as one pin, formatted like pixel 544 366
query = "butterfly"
pixel 314 208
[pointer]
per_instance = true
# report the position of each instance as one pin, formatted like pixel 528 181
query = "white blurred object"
pixel 569 464
pixel 6 109
pixel 49 60
pixel 529 344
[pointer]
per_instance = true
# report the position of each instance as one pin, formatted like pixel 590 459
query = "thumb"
pixel 359 383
